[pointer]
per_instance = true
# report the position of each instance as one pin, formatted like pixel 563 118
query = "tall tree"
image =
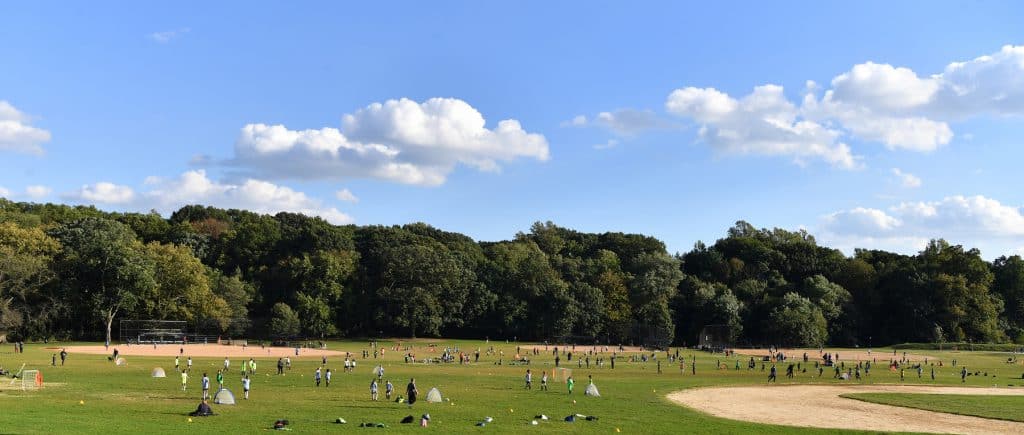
pixel 182 289
pixel 103 266
pixel 25 304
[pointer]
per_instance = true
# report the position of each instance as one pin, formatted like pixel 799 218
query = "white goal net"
pixel 561 374
pixel 31 380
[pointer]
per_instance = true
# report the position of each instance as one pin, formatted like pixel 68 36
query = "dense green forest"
pixel 74 272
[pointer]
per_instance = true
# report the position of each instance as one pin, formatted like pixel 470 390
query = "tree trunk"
pixel 111 313
pixel 110 320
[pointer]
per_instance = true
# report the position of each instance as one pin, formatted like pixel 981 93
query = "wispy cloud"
pixel 346 195
pixel 168 36
pixel 906 179
pixel 16 132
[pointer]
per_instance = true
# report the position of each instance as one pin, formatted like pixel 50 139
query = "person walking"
pixel 529 380
pixel 411 392
pixel 280 366
pixel 569 383
pixel 177 364
pixel 316 376
pixel 388 389
pixel 544 381
pixel 373 390
pixel 771 374
pixel 246 382
pixel 327 377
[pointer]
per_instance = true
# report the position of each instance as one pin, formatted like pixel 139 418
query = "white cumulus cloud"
pixel 901 109
pixel 4 192
pixel 104 192
pixel 763 122
pixel 876 102
pixel 398 140
pixel 194 187
pixel 16 132
pixel 976 220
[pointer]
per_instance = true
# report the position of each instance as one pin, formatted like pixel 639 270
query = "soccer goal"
pixel 560 373
pixel 31 380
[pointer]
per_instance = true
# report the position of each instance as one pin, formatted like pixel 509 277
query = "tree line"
pixel 75 271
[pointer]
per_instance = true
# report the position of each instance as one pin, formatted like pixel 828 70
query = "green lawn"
pixel 128 400
pixel 998 407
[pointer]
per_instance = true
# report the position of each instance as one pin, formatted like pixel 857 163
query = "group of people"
pixel 63 357
pixel 570 383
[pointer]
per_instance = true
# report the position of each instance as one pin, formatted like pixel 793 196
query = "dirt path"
pixel 821 407
pixel 844 354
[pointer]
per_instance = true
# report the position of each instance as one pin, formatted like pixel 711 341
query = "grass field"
pixel 999 407
pixel 91 394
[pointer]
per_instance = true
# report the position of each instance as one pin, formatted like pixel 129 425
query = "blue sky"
pixel 668 119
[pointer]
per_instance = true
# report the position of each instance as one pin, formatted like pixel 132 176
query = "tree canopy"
pixel 74 271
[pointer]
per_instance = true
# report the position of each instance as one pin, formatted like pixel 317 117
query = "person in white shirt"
pixel 206 386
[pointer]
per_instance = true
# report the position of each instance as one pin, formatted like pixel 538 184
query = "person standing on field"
pixel 206 386
pixel 373 390
pixel 771 374
pixel 220 379
pixel 245 386
pixel 544 381
pixel 569 383
pixel 184 379
pixel 388 389
pixel 411 392
pixel 327 377
pixel 316 376
pixel 529 380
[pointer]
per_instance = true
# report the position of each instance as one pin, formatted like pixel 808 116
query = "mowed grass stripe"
pixel 1010 408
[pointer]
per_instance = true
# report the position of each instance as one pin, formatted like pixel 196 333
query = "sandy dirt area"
pixel 844 354
pixel 202 350
pixel 820 406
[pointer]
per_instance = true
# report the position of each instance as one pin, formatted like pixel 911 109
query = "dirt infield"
pixel 844 354
pixel 202 350
pixel 821 407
